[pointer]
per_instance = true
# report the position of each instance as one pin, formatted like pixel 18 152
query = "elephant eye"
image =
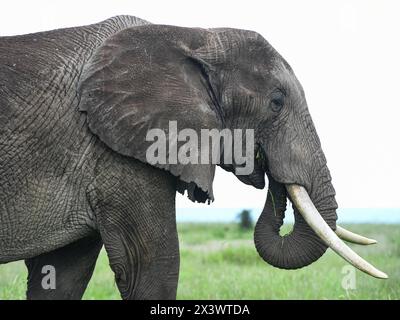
pixel 277 101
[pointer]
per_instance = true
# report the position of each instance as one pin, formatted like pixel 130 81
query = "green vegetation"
pixel 219 261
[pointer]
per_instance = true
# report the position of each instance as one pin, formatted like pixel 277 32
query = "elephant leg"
pixel 72 267
pixel 135 214
pixel 145 258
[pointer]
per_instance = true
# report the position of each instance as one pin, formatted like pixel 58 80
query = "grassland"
pixel 219 261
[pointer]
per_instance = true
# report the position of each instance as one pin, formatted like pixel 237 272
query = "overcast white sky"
pixel 345 53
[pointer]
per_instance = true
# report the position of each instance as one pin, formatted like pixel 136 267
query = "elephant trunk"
pixel 313 231
pixel 299 248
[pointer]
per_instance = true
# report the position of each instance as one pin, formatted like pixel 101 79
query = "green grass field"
pixel 218 261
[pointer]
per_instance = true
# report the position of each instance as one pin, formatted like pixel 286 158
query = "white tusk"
pixel 306 208
pixel 353 237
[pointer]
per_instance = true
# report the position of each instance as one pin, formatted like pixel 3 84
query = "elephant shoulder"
pixel 51 60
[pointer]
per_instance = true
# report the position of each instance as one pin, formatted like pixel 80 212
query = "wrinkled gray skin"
pixel 75 108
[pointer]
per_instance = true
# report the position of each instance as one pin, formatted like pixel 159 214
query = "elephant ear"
pixel 143 78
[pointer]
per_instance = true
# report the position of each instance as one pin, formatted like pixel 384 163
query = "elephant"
pixel 76 105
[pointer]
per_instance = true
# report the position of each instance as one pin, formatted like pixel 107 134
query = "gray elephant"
pixel 75 107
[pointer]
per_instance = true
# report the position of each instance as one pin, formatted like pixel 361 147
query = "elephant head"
pixel 144 77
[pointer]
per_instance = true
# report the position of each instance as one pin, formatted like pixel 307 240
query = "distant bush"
pixel 245 220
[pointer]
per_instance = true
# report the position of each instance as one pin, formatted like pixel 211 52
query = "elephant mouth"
pixel 257 177
pixel 312 232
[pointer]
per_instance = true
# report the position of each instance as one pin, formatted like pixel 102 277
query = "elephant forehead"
pixel 287 78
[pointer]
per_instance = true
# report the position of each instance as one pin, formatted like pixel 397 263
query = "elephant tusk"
pixel 306 208
pixel 353 237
